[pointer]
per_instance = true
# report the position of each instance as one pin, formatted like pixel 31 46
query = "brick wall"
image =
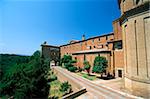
pixel 99 42
pixel 126 5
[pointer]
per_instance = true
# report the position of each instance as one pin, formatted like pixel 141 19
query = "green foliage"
pixel 8 60
pixel 53 77
pixel 73 61
pixel 68 62
pixel 87 66
pixel 55 88
pixel 66 58
pixel 65 87
pixel 87 76
pixel 80 69
pixel 26 80
pixel 72 69
pixel 100 64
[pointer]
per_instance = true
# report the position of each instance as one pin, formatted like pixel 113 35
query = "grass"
pixel 54 89
pixel 89 77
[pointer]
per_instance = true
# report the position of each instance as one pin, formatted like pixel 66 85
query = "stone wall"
pixel 136 45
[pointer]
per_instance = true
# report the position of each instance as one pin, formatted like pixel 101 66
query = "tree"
pixel 100 64
pixel 26 80
pixel 8 60
pixel 68 62
pixel 87 66
pixel 66 58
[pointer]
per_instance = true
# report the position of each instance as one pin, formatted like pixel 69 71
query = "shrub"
pixel 53 77
pixel 72 69
pixel 80 69
pixel 66 58
pixel 87 66
pixel 68 63
pixel 65 87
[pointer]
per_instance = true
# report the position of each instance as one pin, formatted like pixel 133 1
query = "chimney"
pixel 45 43
pixel 83 37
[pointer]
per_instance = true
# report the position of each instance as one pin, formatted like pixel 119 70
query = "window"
pixel 94 46
pixel 99 39
pixel 107 45
pixel 106 37
pixel 75 58
pixel 118 45
pixel 90 47
pixel 119 73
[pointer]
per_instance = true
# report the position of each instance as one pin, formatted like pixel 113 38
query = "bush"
pixel 53 77
pixel 65 87
pixel 66 59
pixel 72 69
pixel 68 63
pixel 80 69
pixel 87 66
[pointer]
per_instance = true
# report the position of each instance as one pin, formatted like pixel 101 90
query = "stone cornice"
pixel 140 9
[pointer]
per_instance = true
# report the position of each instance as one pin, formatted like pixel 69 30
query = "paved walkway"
pixel 95 91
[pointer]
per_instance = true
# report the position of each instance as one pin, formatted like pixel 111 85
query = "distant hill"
pixel 7 60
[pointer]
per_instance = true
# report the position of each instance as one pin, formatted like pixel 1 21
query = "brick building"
pixel 127 49
pixel 135 23
pixel 52 53
pixel 108 45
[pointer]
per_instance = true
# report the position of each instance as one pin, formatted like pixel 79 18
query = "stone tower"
pixel 135 23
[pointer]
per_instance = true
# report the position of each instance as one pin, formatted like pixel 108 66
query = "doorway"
pixel 120 73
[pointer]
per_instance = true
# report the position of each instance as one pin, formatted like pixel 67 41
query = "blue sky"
pixel 25 24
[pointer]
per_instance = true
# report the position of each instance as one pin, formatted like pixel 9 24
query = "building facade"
pixel 127 49
pixel 52 53
pixel 108 46
pixel 135 23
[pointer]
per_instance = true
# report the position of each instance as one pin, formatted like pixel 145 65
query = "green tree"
pixel 100 64
pixel 66 58
pixel 87 66
pixel 68 62
pixel 8 60
pixel 26 80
